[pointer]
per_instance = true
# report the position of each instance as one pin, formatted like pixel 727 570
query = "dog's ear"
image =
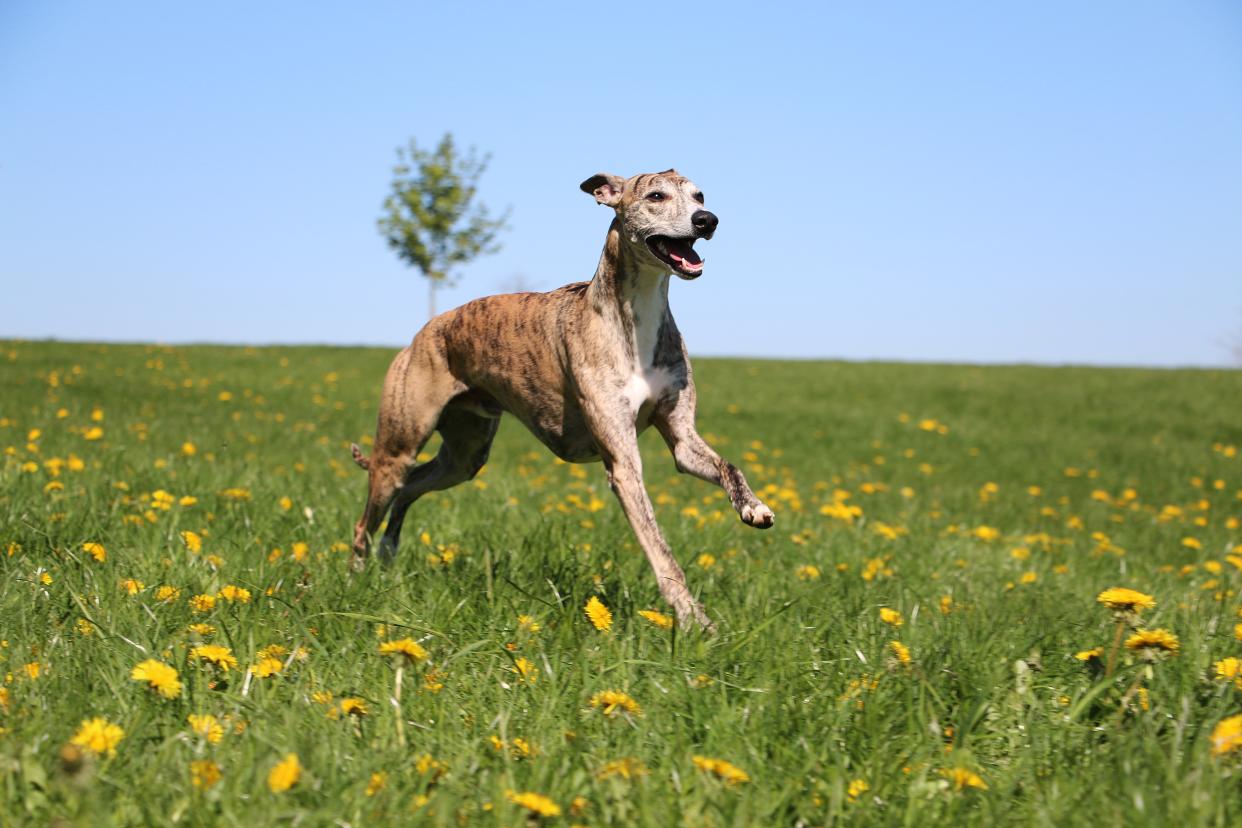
pixel 606 188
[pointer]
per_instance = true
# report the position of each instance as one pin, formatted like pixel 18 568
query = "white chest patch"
pixel 647 383
pixel 645 387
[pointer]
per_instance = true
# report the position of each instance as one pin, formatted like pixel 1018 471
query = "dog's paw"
pixel 758 516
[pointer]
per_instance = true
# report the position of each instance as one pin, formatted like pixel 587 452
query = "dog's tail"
pixel 361 459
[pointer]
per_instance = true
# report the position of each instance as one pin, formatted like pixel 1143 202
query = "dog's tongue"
pixel 684 255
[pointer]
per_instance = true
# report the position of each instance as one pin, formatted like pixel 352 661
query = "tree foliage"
pixel 430 216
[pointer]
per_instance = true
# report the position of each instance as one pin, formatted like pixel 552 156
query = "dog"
pixel 586 368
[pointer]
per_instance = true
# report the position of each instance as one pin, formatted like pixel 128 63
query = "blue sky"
pixel 986 182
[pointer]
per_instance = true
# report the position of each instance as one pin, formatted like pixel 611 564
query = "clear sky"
pixel 987 182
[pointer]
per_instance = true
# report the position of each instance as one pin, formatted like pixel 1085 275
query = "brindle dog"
pixel 586 368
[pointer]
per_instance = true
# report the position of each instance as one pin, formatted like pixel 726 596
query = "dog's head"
pixel 661 217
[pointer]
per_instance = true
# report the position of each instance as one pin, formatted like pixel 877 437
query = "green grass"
pixel 798 688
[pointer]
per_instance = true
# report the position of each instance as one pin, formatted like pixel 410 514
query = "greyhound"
pixel 586 368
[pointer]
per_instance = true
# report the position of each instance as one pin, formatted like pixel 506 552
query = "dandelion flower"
pixel 1120 599
pixel 234 594
pixel 377 783
pixel 729 772
pixel 99 736
pixel 215 654
pixel 206 726
pixel 284 774
pixel 407 647
pixel 159 676
pixel 528 624
pixel 537 804
pixel 204 773
pixel 1227 736
pixel 354 706
pixel 1229 668
pixel 266 667
pixel 891 617
pixel 598 614
pixel 203 603
pixel 612 702
pixel 661 620
pixel 857 788
pixel 1087 655
pixel 526 670
pixel 900 652
pixel 963 778
pixel 1153 642
pixel 193 541
pixel 167 594
pixel 626 767
pixel 96 551
pixel 807 572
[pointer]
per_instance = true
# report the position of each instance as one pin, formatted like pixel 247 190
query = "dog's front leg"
pixel 619 449
pixel 694 456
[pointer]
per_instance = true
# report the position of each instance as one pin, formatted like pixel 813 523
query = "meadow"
pixel 919 640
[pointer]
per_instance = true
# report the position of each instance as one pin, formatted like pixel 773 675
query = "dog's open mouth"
pixel 677 253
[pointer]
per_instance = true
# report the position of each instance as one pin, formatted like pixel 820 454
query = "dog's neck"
pixel 632 292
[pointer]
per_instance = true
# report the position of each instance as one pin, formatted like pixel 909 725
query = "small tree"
pixel 428 218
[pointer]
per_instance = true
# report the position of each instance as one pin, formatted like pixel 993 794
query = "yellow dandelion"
pixel 189 449
pixel 963 778
pixel 729 772
pixel 193 541
pixel 132 586
pixel 900 652
pixel 598 614
pixel 377 783
pixel 626 767
pixel 234 594
pixel 266 667
pixel 96 551
pixel 202 603
pixel 284 774
pixel 612 702
pixel 661 620
pixel 526 670
pixel 201 629
pixel 1087 655
pixel 527 623
pixel 1227 736
pixel 1120 599
pixel 857 788
pixel 537 804
pixel 207 726
pixel 93 433
pixel 221 657
pixel 891 617
pixel 204 773
pixel 1229 669
pixel 407 647
pixel 354 706
pixel 159 677
pixel 167 594
pixel 1154 642
pixel 99 736
pixel 807 572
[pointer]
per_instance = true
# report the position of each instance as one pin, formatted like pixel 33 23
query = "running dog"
pixel 586 368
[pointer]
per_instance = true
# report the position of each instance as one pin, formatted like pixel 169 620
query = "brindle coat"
pixel 586 368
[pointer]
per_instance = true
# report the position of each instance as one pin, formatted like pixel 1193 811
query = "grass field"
pixel 154 501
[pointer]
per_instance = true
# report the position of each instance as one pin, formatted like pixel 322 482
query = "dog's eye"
pixel 698 197
pixel 655 196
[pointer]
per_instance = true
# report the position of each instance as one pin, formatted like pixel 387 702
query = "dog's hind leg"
pixel 467 443
pixel 417 388
pixel 694 456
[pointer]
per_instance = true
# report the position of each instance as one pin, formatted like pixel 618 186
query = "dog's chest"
pixel 647 382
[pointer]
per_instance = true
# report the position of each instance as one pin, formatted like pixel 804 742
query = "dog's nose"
pixel 704 222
